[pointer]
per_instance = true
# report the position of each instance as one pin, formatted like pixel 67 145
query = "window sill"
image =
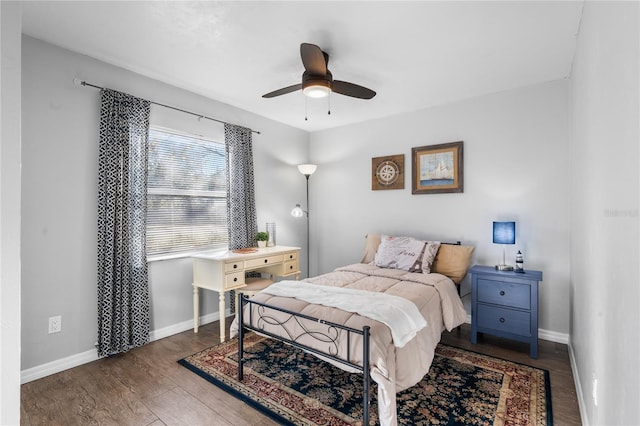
pixel 182 254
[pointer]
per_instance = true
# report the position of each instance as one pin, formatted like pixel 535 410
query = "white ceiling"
pixel 413 54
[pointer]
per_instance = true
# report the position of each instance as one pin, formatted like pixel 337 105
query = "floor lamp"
pixel 307 170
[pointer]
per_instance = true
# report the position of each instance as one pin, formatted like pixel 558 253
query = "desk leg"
pixel 223 310
pixel 196 308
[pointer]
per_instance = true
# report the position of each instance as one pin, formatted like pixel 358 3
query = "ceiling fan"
pixel 317 80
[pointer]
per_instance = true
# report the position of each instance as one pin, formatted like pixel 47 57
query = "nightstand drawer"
pixel 504 293
pixel 505 320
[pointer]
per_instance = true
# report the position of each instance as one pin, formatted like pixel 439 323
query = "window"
pixel 186 193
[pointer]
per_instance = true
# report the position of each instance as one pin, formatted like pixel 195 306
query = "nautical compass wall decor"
pixel 387 172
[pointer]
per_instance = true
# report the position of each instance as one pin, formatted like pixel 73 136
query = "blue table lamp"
pixel 504 233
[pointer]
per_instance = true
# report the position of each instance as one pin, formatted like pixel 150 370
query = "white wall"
pixel 59 199
pixel 10 42
pixel 516 149
pixel 604 214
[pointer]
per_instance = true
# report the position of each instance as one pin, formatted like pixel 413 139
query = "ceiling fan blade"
pixel 283 91
pixel 353 90
pixel 313 59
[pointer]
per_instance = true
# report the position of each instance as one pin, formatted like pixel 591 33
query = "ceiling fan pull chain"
pixel 329 103
pixel 305 108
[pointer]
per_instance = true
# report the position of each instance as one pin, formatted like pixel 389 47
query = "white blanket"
pixel 401 315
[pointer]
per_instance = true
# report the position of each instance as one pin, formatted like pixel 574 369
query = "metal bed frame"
pixel 327 332
pixel 330 336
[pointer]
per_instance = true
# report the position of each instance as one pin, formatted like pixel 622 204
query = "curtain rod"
pixel 84 83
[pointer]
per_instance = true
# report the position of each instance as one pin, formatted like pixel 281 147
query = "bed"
pixel 347 327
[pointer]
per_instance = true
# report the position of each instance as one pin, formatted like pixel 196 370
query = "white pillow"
pixel 404 253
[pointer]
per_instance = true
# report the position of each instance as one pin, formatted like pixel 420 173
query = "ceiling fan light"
pixel 316 88
pixel 316 91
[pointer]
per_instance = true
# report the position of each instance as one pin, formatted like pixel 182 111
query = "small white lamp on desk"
pixel 504 233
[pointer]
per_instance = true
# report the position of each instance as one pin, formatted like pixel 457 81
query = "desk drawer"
pixel 291 266
pixel 234 280
pixel 234 266
pixel 504 293
pixel 290 256
pixel 263 261
pixel 505 320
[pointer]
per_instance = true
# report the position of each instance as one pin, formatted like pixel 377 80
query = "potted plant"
pixel 262 238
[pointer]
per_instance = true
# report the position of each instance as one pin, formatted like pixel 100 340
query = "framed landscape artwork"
pixel 437 169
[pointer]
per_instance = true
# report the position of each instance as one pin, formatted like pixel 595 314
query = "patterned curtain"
pixel 123 291
pixel 241 203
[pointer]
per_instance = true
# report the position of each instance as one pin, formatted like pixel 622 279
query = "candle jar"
pixel 271 230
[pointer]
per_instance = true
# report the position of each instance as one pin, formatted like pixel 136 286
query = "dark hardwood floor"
pixel 148 387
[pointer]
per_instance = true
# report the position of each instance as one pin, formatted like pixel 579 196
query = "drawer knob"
pixel 265 261
pixel 501 292
pixel 235 279
pixel 235 266
pixel 290 267
pixel 290 256
pixel 501 319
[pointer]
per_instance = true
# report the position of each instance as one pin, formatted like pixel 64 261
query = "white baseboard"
pixel 579 393
pixel 40 371
pixel 66 363
pixel 182 326
pixel 62 364
pixel 553 336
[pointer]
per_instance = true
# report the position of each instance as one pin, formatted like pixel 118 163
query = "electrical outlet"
pixel 55 324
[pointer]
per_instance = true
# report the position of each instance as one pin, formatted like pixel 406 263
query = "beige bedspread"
pixel 393 368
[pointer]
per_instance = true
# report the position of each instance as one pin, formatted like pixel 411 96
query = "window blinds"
pixel 186 194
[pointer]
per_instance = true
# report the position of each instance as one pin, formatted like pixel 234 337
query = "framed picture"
pixel 387 172
pixel 437 169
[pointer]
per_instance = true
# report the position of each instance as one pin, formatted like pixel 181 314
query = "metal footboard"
pixel 291 320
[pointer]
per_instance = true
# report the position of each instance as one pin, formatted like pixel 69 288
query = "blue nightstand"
pixel 505 304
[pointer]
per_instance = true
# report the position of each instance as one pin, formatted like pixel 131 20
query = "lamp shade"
pixel 504 232
pixel 307 169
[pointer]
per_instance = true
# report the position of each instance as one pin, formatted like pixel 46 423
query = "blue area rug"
pixel 461 388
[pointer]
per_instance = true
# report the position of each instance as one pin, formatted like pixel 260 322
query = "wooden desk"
pixel 225 271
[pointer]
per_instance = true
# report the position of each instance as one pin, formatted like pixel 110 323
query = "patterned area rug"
pixel 295 388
